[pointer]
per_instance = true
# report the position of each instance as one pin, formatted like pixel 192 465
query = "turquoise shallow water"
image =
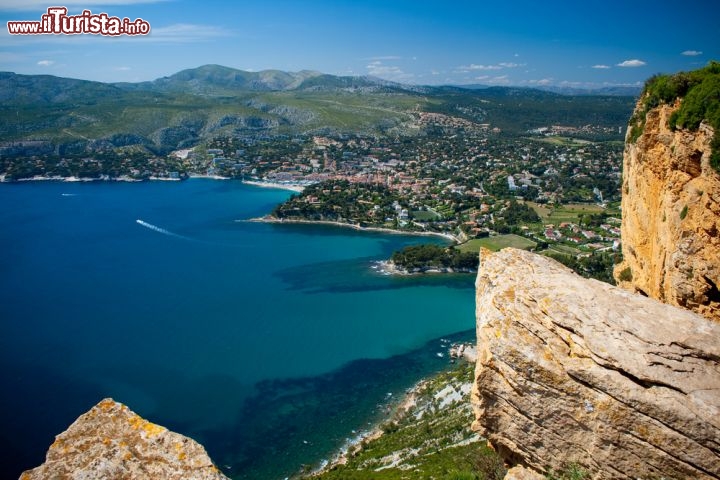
pixel 267 343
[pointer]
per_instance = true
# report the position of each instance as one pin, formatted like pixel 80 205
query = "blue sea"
pixel 269 344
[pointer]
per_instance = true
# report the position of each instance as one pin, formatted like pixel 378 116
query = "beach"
pixel 284 186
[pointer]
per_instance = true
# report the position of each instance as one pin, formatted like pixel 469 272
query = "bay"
pixel 270 344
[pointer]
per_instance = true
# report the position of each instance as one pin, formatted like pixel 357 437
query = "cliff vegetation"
pixel 671 193
pixel 700 91
pixel 429 437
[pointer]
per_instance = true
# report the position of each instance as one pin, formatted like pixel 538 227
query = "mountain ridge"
pixel 236 80
pixel 81 117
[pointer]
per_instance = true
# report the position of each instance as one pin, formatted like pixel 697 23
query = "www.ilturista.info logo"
pixel 57 22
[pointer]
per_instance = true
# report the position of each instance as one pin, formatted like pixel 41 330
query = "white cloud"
pixel 473 66
pixel 594 85
pixel 490 80
pixel 541 82
pixel 122 69
pixel 388 72
pixel 185 32
pixel 601 67
pixel 384 57
pixel 631 63
pixel 45 63
pixel 378 69
pixel 691 53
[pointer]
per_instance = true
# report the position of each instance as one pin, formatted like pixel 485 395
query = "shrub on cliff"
pixel 700 94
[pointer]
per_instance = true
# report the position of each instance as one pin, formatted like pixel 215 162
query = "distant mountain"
pixel 620 91
pixel 216 80
pixel 47 89
pixel 219 80
pixel 191 106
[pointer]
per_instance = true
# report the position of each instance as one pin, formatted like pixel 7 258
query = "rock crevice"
pixel 572 370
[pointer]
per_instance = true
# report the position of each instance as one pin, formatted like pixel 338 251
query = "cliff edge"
pixel 576 371
pixel 110 441
pixel 671 195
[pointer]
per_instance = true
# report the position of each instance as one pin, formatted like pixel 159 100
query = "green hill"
pixel 195 105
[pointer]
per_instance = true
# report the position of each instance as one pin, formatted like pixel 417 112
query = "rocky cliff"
pixel 671 214
pixel 110 441
pixel 576 371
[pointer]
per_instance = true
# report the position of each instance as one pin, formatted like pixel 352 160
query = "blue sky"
pixel 585 43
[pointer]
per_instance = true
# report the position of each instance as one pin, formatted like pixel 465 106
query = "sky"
pixel 582 44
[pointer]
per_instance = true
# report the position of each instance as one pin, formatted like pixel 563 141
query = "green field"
pixel 423 215
pixel 564 250
pixel 497 243
pixel 559 140
pixel 565 213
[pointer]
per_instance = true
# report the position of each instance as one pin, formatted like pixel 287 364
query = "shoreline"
pixel 208 177
pixel 45 178
pixel 399 409
pixel 281 186
pixel 126 178
pixel 271 219
pixel 121 178
pixel 387 267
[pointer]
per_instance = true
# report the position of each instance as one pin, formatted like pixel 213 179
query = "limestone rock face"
pixel 572 370
pixel 112 442
pixel 671 216
pixel 519 472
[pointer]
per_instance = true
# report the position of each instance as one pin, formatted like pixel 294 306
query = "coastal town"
pixel 553 189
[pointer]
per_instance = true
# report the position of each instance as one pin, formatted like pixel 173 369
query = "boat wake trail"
pixel 155 228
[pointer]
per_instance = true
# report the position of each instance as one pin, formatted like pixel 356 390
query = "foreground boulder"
pixel 112 442
pixel 576 371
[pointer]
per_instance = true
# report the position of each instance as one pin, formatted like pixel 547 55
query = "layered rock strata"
pixel 112 442
pixel 671 216
pixel 576 371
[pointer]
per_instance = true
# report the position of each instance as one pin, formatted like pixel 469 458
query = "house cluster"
pixel 453 167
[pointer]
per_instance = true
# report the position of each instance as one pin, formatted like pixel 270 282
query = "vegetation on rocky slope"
pixel 434 257
pixel 700 94
pixel 430 439
pixel 195 106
